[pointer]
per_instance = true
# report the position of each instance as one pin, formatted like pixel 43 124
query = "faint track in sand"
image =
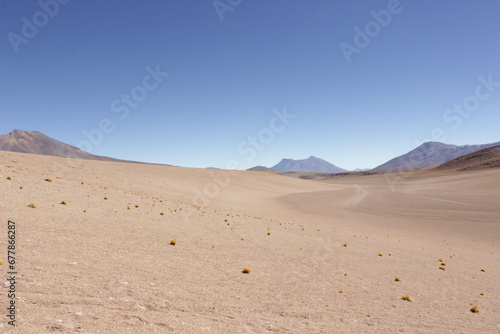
pixel 353 202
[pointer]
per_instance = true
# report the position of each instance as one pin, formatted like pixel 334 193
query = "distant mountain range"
pixel 35 142
pixel 261 169
pixel 431 154
pixel 427 155
pixel 311 164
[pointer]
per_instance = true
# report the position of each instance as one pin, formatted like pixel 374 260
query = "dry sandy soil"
pixel 324 255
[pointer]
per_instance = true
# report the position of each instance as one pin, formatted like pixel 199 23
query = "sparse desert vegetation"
pixel 406 297
pixel 302 261
pixel 475 309
pixel 246 270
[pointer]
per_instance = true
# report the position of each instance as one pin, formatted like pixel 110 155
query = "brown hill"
pixel 483 159
pixel 35 142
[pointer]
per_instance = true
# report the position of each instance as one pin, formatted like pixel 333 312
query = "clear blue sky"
pixel 227 76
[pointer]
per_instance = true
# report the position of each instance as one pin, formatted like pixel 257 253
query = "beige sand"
pixel 111 269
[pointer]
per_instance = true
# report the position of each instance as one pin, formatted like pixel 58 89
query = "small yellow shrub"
pixel 32 205
pixel 48 179
pixel 173 242
pixel 406 297
pixel 475 309
pixel 246 270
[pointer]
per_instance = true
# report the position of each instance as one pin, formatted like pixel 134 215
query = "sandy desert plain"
pixel 324 255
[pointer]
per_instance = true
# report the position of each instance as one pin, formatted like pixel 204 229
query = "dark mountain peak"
pixel 434 145
pixel 313 158
pixel 261 169
pixel 311 164
pixel 24 132
pixel 17 134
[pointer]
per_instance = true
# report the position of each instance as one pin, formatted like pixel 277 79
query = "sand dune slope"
pixel 324 255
